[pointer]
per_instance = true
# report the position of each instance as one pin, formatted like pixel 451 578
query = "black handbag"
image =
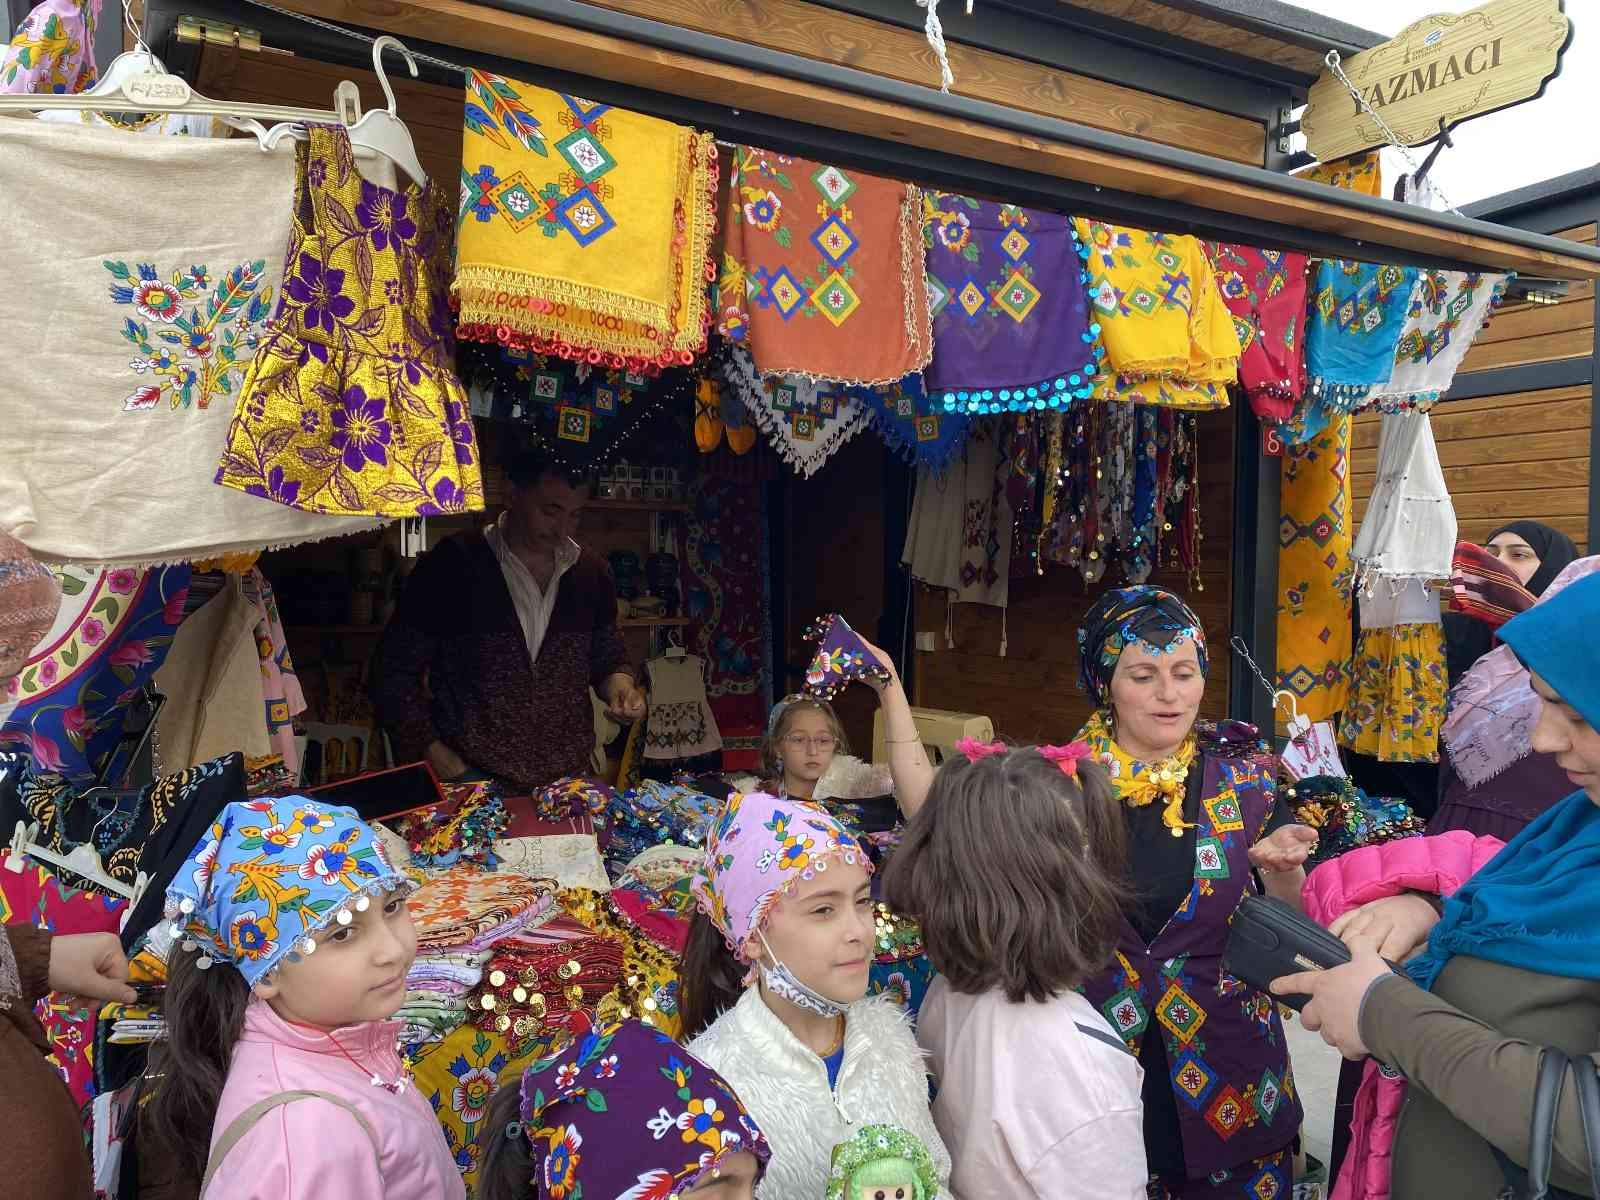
pixel 1534 1182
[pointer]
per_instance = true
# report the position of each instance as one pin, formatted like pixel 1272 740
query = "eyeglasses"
pixel 822 741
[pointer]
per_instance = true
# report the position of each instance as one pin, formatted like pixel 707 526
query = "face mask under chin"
pixel 782 983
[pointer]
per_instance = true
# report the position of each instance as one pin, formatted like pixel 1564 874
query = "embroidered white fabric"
pixel 1410 528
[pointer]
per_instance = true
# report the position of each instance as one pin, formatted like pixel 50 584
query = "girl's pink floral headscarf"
pixel 762 848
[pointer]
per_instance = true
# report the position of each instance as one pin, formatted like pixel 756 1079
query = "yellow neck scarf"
pixel 1139 783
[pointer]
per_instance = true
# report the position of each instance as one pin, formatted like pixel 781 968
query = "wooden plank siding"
pixel 1521 456
pixel 1032 693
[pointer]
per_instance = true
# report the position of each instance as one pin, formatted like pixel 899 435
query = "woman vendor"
pixel 1221 1110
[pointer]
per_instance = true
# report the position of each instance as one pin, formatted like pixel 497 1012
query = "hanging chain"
pixel 1332 60
pixel 355 34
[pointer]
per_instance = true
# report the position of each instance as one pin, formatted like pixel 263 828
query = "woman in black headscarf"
pixel 1532 551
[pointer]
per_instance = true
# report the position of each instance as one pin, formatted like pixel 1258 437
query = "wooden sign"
pixel 1450 68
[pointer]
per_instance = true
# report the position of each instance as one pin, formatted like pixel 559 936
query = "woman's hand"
pixel 1397 925
pixel 1336 997
pixel 1284 850
pixel 91 965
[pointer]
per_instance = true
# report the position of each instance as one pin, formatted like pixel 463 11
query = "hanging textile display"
pixel 805 420
pixel 1409 531
pixel 1265 290
pixel 1448 309
pixel 109 638
pixel 30 600
pixel 583 415
pixel 1358 311
pixel 1397 685
pixel 53 49
pixel 156 339
pixel 1123 488
pixel 352 406
pixel 1314 573
pixel 1161 316
pixel 959 535
pixel 912 424
pixel 1011 328
pixel 585 230
pixel 822 274
pixel 1362 173
pixel 280 686
pixel 1022 453
pixel 718 411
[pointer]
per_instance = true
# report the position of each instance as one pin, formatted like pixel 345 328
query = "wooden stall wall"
pixel 1522 456
pixel 1032 693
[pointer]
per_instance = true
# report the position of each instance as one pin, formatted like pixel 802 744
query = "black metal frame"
pixel 1528 377
pixel 1253 598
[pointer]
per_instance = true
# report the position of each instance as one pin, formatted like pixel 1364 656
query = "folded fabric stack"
pixel 461 828
pixel 437 987
pixel 654 814
pixel 535 987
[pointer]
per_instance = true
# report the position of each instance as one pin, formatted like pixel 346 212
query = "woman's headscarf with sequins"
pixel 1158 619
pixel 625 1111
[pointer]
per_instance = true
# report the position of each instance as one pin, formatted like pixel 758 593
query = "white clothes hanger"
pixel 382 130
pixel 674 646
pixel 82 861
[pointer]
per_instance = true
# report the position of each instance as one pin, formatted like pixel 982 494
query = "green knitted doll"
pixel 882 1162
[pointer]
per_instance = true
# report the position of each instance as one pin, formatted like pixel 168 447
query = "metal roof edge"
pixel 1289 22
pixel 1544 192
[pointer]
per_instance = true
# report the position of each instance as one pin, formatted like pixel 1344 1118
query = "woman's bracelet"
pixel 889 741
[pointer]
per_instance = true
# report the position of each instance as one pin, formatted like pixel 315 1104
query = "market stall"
pixel 949 365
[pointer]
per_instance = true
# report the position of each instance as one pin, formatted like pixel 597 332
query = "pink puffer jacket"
pixel 1435 865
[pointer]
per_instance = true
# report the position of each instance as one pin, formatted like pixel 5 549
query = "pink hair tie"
pixel 976 750
pixel 1066 757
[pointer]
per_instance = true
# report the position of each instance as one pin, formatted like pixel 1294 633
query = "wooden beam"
pixel 866 45
pixel 547 43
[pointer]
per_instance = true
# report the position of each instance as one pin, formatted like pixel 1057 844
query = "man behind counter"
pixel 486 666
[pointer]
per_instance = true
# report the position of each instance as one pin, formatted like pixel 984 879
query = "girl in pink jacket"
pixel 280 1078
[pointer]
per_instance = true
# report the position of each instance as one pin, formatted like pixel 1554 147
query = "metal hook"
pixel 390 42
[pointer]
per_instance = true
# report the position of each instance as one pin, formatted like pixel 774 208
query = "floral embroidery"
pixel 352 405
pixel 53 50
pixel 206 347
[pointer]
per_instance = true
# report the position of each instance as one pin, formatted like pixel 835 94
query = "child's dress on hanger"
pixel 352 405
pixel 680 724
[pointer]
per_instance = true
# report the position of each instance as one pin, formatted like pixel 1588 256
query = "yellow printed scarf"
pixel 1359 173
pixel 583 227
pixel 1137 783
pixel 1159 311
pixel 1314 576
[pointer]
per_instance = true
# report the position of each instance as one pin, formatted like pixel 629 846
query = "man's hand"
pixel 90 965
pixel 1285 850
pixel 1397 925
pixel 1336 995
pixel 447 764
pixel 625 702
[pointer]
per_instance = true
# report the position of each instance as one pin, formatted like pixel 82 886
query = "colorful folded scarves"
pixel 585 230
pixel 912 424
pixel 1169 338
pixel 152 306
pixel 1361 173
pixel 807 421
pixel 1448 309
pixel 1346 818
pixel 840 658
pixel 1483 587
pixel 460 828
pixel 1011 328
pixel 1265 290
pixel 823 273
pixel 467 910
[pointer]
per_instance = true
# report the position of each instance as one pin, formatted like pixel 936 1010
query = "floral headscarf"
pixel 1126 615
pixel 626 1112
pixel 761 848
pixel 270 874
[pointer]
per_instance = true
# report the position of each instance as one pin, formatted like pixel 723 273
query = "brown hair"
pixel 505 1157
pixel 1014 872
pixel 204 1014
pixel 772 748
pixel 710 979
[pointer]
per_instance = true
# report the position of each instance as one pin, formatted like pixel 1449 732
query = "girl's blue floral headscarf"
pixel 626 1112
pixel 269 875
pixel 1126 615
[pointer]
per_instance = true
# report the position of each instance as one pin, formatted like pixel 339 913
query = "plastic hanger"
pixel 674 646
pixel 382 130
pixel 81 861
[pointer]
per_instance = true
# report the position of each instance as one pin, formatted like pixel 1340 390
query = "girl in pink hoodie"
pixel 281 1079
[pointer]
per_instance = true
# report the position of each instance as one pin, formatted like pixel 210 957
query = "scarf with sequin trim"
pixel 1139 784
pixel 1265 290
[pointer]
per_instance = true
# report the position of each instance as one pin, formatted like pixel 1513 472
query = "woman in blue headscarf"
pixel 1511 965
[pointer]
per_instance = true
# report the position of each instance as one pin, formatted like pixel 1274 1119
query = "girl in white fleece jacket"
pixel 785 934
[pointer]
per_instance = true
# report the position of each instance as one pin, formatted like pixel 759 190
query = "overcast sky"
pixel 1517 146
